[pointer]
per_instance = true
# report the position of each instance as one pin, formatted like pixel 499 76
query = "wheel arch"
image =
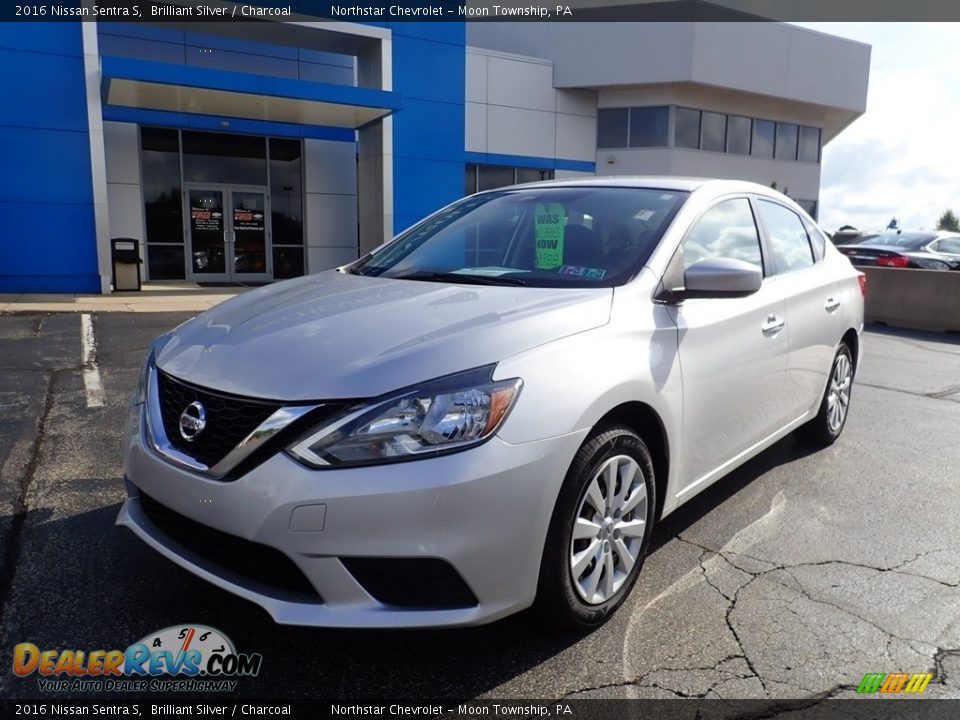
pixel 852 340
pixel 646 422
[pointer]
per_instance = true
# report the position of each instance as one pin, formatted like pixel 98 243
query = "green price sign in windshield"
pixel 549 224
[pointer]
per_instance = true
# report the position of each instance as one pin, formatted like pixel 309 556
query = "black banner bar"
pixel 680 709
pixel 185 11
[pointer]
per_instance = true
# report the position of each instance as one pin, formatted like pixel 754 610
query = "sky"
pixel 902 157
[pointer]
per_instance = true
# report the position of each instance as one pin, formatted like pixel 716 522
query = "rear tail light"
pixel 898 261
pixel 863 284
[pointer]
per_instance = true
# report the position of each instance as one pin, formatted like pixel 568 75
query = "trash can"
pixel 125 258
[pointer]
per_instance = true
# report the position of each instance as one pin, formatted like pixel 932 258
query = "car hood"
pixel 334 336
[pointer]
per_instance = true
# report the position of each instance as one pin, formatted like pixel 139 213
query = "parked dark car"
pixel 850 235
pixel 925 250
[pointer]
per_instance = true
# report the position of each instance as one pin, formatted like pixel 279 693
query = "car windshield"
pixel 545 237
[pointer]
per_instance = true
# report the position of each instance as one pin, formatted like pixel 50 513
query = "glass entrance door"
pixel 208 234
pixel 229 233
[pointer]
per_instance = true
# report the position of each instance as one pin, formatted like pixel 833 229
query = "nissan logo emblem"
pixel 192 421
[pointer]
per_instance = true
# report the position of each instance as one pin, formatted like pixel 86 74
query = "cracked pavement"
pixel 790 578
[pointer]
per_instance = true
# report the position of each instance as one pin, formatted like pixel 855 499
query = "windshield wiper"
pixel 455 277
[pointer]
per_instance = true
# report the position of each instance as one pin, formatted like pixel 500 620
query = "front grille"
pixel 426 583
pixel 229 418
pixel 246 563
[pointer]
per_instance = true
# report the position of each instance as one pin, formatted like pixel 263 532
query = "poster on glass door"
pixel 205 219
pixel 247 220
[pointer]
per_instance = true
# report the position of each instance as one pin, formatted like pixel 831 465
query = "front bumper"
pixel 485 511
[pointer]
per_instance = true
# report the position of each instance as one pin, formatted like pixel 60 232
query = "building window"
pixel 286 206
pixel 786 148
pixel 686 128
pixel 648 126
pixel 705 130
pixel 470 179
pixel 490 177
pixel 738 134
pixel 612 125
pixel 224 158
pixel 713 131
pixel 526 175
pixel 809 207
pixel 809 148
pixel 163 206
pixel 763 135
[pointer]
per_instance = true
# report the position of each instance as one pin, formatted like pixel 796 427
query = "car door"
pixel 733 351
pixel 815 298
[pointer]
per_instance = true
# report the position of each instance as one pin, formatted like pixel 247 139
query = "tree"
pixel 948 221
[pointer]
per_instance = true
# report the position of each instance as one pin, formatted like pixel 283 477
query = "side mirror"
pixel 721 278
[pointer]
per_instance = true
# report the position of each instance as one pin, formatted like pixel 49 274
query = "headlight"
pixel 155 347
pixel 452 413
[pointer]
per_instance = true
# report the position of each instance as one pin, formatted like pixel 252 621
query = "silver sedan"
pixel 494 409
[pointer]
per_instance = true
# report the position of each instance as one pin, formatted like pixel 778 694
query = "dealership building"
pixel 252 152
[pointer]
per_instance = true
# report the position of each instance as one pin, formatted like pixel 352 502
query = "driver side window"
pixel 727 230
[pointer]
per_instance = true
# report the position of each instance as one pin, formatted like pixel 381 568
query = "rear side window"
pixel 817 239
pixel 789 243
pixel 949 245
pixel 727 230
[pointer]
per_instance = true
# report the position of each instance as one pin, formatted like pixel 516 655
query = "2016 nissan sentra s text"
pixel 494 409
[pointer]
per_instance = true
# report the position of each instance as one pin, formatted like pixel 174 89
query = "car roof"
pixel 658 182
pixel 912 234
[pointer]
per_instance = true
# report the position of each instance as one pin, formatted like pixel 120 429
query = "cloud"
pixel 902 157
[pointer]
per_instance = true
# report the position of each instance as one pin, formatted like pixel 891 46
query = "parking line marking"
pixel 91 373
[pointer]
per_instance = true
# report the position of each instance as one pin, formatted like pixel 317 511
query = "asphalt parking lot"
pixel 792 577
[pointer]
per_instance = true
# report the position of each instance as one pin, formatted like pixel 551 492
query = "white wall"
pixel 124 196
pixel 513 109
pixel 782 61
pixel 331 203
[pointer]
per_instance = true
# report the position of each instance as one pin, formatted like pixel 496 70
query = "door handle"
pixel 773 325
pixel 831 304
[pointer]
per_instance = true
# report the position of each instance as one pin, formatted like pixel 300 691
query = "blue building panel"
pixel 440 68
pixel 530 161
pixel 426 186
pixel 48 241
pixel 43 85
pixel 452 33
pixel 437 135
pixel 216 123
pixel 43 244
pixel 50 38
pixel 428 160
pixel 43 165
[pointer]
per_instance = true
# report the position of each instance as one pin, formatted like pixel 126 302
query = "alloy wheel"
pixel 838 395
pixel 608 530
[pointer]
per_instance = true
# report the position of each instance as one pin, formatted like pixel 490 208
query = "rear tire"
pixel 826 427
pixel 600 530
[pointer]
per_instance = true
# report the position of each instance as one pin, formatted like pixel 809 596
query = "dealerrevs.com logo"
pixel 893 683
pixel 180 658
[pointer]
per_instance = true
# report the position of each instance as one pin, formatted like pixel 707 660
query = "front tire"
pixel 600 530
pixel 826 427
